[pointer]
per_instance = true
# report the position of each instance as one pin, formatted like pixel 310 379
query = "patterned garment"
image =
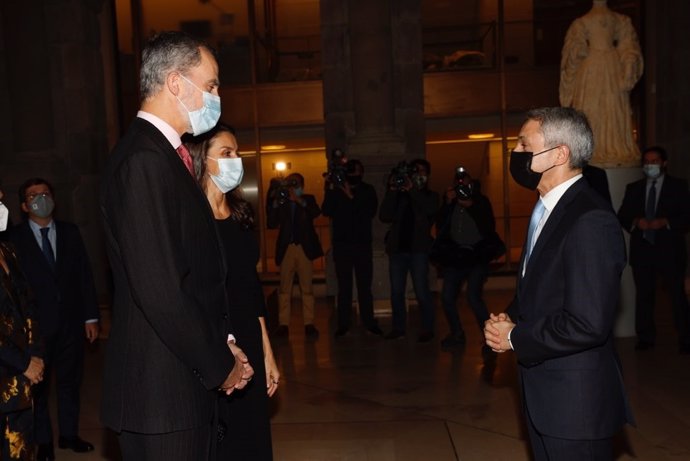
pixel 17 345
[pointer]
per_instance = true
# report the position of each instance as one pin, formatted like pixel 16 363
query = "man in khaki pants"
pixel 293 212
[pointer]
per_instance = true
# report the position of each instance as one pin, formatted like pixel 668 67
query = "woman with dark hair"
pixel 244 425
pixel 20 367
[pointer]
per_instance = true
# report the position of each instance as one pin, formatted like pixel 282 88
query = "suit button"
pixel 225 316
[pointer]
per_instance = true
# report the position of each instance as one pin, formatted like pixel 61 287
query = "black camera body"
pixel 463 191
pixel 281 189
pixel 337 168
pixel 400 174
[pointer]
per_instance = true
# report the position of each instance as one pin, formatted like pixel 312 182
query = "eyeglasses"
pixel 30 197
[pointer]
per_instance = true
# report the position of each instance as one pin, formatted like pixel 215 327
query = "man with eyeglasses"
pixel 54 259
pixel 560 322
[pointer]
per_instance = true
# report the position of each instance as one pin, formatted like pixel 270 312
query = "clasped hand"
pixel 34 372
pixel 496 331
pixel 241 373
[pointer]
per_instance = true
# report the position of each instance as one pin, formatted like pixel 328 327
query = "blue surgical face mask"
pixel 230 173
pixel 652 171
pixel 206 117
pixel 42 206
pixel 298 191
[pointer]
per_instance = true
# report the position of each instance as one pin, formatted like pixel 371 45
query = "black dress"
pixel 245 413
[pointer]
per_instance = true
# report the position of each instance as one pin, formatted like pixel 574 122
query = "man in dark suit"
pixel 169 350
pixel 293 212
pixel 53 257
pixel 560 322
pixel 656 213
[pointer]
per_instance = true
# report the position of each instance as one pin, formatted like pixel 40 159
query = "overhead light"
pixel 481 136
pixel 273 147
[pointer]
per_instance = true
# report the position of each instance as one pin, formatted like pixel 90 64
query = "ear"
pixel 563 155
pixel 173 81
pixel 24 208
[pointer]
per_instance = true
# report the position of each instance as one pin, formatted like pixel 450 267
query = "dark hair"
pixel 299 177
pixel 659 150
pixel 423 162
pixel 164 53
pixel 33 182
pixel 566 126
pixel 240 210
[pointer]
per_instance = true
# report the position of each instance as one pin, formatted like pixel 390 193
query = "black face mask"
pixel 521 168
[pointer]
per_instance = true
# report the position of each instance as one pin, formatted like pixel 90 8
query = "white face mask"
pixel 230 173
pixel 206 117
pixel 652 171
pixel 4 217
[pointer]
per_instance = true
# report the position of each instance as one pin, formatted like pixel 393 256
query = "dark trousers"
pixel 349 257
pixel 452 281
pixel 190 445
pixel 646 275
pixel 545 448
pixel 417 264
pixel 65 356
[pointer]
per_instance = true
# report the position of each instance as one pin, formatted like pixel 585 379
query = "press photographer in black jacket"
pixel 352 204
pixel 466 243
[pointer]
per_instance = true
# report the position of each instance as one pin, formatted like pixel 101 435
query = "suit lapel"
pixel 35 253
pixel 551 225
pixel 179 169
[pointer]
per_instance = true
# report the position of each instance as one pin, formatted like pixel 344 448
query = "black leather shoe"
pixel 76 444
pixel 340 332
pixel 375 330
pixel 45 452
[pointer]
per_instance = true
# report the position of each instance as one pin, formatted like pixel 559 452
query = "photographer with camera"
pixel 463 249
pixel 351 204
pixel 409 206
pixel 289 209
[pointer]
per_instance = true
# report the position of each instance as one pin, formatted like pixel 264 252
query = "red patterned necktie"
pixel 186 158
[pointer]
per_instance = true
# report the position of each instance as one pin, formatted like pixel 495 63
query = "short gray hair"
pixel 164 53
pixel 568 127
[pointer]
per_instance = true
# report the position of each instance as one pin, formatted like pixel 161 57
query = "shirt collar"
pixel 554 195
pixel 169 132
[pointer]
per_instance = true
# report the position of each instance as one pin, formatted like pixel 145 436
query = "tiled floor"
pixel 361 398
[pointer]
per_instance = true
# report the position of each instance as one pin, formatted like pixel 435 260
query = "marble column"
pixel 373 92
pixel 52 77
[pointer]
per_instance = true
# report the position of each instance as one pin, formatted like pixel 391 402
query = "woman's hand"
pixel 34 372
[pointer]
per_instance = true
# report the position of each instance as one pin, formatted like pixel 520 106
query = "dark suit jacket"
pixel 673 204
pixel 67 294
pixel 564 310
pixel 167 350
pixel 281 217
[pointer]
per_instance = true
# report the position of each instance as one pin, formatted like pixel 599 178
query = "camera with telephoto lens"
pixel 400 174
pixel 462 190
pixel 338 168
pixel 281 189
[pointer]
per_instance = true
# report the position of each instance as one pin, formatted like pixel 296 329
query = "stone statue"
pixel 601 62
